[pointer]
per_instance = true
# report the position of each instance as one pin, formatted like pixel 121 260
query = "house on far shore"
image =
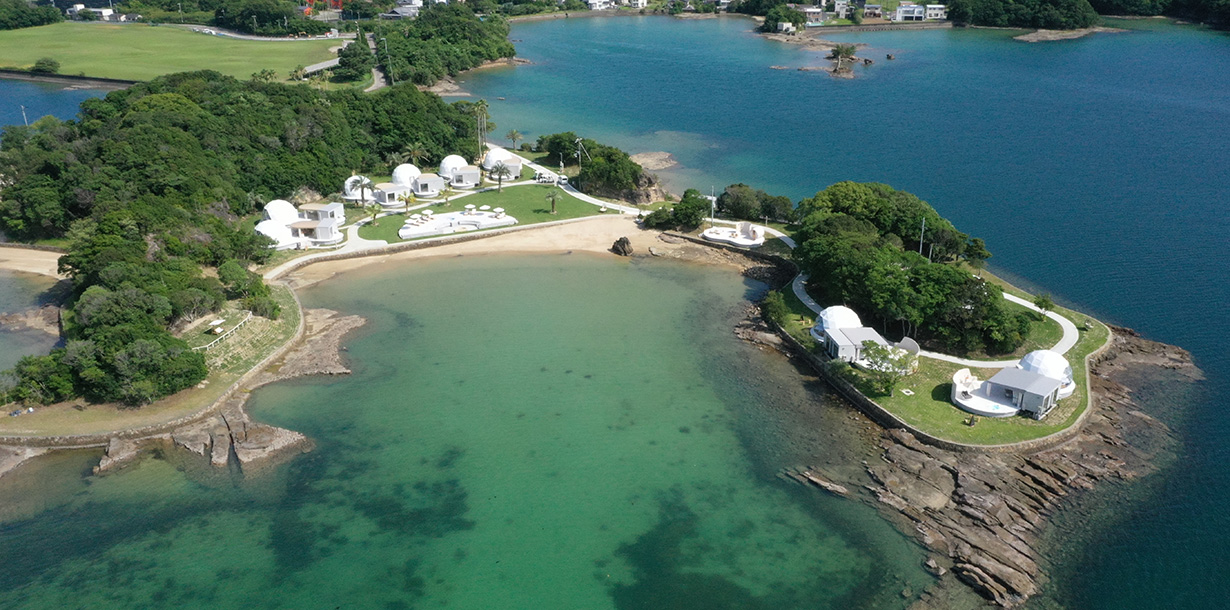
pixel 937 11
pixel 401 12
pixel 873 11
pixel 910 12
pixel 785 27
pixel 104 14
pixel 600 5
pixel 842 9
pixel 636 3
pixel 814 15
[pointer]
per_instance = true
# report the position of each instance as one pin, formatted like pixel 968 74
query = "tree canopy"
pixel 860 243
pixel 1048 14
pixel 16 14
pixel 149 185
pixel 444 40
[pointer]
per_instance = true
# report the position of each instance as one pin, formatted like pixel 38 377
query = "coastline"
pixel 980 513
pixel 73 82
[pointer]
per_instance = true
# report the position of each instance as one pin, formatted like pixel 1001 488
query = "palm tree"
pixel 364 185
pixel 514 136
pixel 481 117
pixel 299 73
pixel 415 152
pixel 394 159
pixel 501 172
pixel 374 210
pixel 407 200
pixel 448 192
pixel 553 196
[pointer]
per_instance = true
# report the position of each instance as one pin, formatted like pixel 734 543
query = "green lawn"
pixel 142 52
pixel 929 408
pixel 526 203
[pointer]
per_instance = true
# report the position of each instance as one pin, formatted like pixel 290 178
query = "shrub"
pixel 775 308
pixel 46 65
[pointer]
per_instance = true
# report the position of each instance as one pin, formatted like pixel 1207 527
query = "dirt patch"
pixel 654 161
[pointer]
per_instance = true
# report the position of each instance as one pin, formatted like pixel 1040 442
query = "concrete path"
pixel 324 65
pixel 379 81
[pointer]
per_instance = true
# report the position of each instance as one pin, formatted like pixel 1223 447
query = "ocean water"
pixel 40 99
pixel 18 292
pixel 1095 169
pixel 519 432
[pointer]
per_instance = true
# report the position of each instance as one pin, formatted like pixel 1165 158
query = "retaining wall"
pixel 91 82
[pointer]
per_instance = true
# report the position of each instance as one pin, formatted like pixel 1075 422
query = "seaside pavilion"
pixel 1033 387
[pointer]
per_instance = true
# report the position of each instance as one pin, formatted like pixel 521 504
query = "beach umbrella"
pixel 470 206
pixel 428 212
pixel 484 207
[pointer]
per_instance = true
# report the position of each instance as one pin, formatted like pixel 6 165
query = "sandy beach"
pixel 595 235
pixel 42 262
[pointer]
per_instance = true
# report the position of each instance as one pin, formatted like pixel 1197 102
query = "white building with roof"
pixel 910 12
pixel 311 225
pixel 1033 387
pixel 841 334
pixel 937 11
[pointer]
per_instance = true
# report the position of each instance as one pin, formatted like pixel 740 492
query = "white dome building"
pixel 351 190
pixel 496 155
pixel 838 316
pixel 279 232
pixel 281 211
pixel 450 165
pixel 1050 364
pixel 404 174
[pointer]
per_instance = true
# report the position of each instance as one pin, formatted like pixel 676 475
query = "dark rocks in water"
pixel 890 56
pixel 622 247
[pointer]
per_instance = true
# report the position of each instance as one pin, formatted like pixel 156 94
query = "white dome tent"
pixel 279 232
pixel 838 316
pixel 281 211
pixel 1050 364
pixel 497 155
pixel 450 165
pixel 352 189
pixel 404 174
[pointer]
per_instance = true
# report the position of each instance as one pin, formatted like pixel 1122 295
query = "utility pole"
pixel 920 235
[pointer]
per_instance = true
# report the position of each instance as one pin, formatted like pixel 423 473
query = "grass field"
pixel 526 203
pixel 929 408
pixel 143 52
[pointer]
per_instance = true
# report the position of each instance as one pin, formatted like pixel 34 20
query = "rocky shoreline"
pixel 1054 35
pixel 227 435
pixel 980 515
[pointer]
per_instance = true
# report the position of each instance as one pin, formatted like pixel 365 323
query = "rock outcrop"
pixel 622 247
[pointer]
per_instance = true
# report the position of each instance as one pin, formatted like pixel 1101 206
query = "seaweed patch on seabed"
pixel 657 569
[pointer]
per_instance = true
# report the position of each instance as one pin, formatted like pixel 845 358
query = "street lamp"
pixel 392 81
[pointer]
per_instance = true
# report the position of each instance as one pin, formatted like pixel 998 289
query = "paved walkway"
pixel 324 65
pixel 378 78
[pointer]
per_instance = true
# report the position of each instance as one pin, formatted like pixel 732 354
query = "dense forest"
pixel 861 244
pixel 1048 14
pixel 149 186
pixel 444 40
pixel 15 14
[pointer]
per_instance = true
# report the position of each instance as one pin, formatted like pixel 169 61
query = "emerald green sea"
pixel 519 432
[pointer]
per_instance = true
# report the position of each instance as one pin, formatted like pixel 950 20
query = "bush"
pixel 46 65
pixel 263 306
pixel 775 308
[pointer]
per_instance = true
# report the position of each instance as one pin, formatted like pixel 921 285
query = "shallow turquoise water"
pixel 519 432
